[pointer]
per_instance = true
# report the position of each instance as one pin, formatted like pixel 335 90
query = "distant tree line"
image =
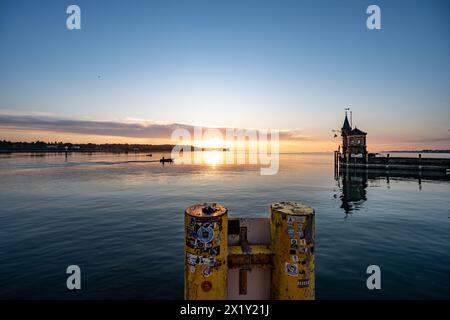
pixel 41 146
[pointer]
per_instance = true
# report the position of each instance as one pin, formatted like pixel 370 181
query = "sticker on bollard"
pixel 206 246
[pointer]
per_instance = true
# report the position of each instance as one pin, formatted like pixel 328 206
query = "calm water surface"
pixel 120 218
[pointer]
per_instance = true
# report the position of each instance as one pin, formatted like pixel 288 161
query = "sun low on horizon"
pixel 287 68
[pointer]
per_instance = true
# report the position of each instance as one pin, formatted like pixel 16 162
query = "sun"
pixel 213 158
pixel 214 143
pixel 212 152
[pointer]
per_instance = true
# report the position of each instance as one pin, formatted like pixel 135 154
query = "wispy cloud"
pixel 132 128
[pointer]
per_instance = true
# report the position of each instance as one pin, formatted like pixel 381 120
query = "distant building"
pixel 353 140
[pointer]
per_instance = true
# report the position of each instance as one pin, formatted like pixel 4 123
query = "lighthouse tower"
pixel 353 140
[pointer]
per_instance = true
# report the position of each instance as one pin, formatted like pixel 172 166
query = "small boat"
pixel 149 155
pixel 163 160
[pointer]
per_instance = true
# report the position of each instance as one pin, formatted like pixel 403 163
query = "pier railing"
pixel 393 163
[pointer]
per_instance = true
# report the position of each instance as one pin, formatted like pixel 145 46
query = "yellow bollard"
pixel 206 252
pixel 292 241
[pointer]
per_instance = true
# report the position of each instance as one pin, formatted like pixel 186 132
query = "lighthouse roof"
pixel 346 125
pixel 357 132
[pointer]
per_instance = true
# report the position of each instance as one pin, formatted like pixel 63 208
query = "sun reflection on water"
pixel 213 158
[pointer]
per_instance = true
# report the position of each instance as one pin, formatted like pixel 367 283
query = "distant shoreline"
pixel 6 151
pixel 416 151
pixel 77 151
pixel 60 147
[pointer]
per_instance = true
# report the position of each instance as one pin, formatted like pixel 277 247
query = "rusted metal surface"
pixel 258 230
pixel 258 284
pixel 261 255
pixel 243 241
pixel 243 281
pixel 205 210
pixel 249 257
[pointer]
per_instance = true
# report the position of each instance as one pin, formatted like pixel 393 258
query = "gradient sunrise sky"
pixel 289 65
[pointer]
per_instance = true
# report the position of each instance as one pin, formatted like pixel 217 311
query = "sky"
pixel 150 66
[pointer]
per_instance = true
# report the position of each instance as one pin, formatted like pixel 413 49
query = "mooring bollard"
pixel 293 237
pixel 206 252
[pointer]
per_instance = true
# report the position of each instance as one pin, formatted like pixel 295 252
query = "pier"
pixel 440 165
pixel 354 155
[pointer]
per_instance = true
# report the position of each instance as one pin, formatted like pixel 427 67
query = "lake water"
pixel 121 221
